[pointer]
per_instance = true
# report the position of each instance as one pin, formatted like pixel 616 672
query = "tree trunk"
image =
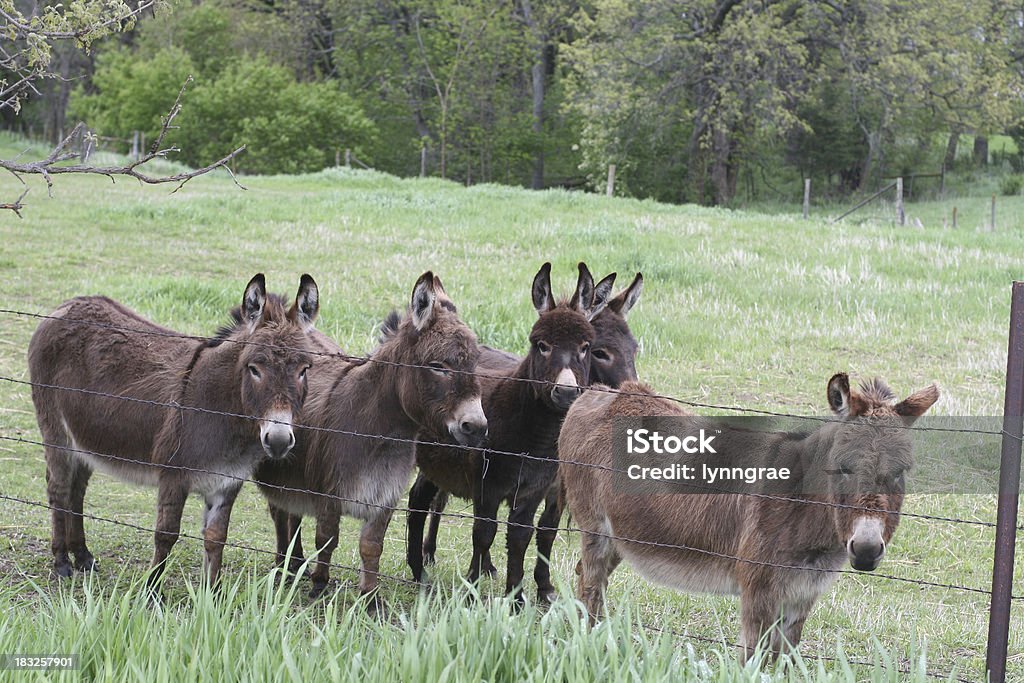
pixel 871 160
pixel 723 171
pixel 538 76
pixel 980 150
pixel 951 147
pixel 539 71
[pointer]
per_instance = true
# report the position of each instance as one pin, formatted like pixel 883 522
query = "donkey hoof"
pixel 319 588
pixel 295 566
pixel 86 563
pixel 428 559
pixel 546 596
pixel 490 570
pixel 375 606
pixel 63 570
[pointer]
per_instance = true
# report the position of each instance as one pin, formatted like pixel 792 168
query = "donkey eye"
pixel 302 373
pixel 254 371
pixel 842 471
pixel 544 347
pixel 601 355
pixel 438 368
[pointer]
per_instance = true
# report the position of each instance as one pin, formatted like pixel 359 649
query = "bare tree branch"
pixel 63 152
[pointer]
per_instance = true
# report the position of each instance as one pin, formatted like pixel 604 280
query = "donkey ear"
pixel 423 297
pixel 602 292
pixel 438 287
pixel 627 298
pixel 583 298
pixel 253 300
pixel 542 299
pixel 915 405
pixel 839 394
pixel 307 303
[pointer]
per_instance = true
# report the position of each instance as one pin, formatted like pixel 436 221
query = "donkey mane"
pixel 275 305
pixel 877 390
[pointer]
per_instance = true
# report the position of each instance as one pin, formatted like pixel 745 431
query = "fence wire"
pixel 486 452
pixel 509 523
pixel 357 359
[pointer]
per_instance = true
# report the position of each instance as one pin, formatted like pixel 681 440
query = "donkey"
pixel 99 372
pixel 612 362
pixel 778 555
pixel 420 378
pixel 525 408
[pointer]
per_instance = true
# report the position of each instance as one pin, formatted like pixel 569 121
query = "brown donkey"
pixel 856 461
pixel 419 379
pixel 612 362
pixel 524 408
pixel 93 346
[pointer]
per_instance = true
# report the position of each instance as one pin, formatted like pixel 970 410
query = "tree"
pixel 26 59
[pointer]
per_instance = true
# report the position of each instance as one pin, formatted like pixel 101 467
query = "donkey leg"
pixel 420 496
pixel 518 537
pixel 287 529
pixel 327 522
pixel 371 545
pixel 760 609
pixel 437 507
pixel 171 496
pixel 598 558
pixel 84 560
pixel 485 526
pixel 295 534
pixel 547 529
pixel 59 477
pixel 216 518
pixel 794 614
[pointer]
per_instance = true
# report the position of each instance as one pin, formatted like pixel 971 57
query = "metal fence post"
pixel 1009 490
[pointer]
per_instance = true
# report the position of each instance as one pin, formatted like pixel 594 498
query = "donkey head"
pixel 275 358
pixel 866 463
pixel 561 338
pixel 440 391
pixel 613 353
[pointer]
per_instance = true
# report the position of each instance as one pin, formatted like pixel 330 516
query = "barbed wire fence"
pixel 488 452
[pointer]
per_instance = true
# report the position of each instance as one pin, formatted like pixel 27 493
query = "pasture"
pixel 738 309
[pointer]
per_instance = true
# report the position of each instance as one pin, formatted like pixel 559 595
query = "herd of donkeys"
pixel 270 398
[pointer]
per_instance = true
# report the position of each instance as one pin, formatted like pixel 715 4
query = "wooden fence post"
pixel 423 162
pixel 954 218
pixel 348 158
pixel 992 224
pixel 610 191
pixel 1009 490
pixel 901 216
pixel 807 197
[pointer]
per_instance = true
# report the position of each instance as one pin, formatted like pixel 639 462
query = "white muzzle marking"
pixel 276 433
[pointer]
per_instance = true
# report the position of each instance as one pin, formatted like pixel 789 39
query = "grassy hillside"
pixel 738 309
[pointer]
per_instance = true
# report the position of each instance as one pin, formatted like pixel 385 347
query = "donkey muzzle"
pixel 566 389
pixel 866 545
pixel 469 426
pixel 276 434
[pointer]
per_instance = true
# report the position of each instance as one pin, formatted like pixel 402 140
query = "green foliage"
pixel 287 126
pixel 1012 185
pixel 132 94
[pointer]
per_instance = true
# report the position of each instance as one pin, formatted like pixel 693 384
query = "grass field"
pixel 738 309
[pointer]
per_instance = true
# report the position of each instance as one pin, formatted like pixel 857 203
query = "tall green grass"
pixel 251 630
